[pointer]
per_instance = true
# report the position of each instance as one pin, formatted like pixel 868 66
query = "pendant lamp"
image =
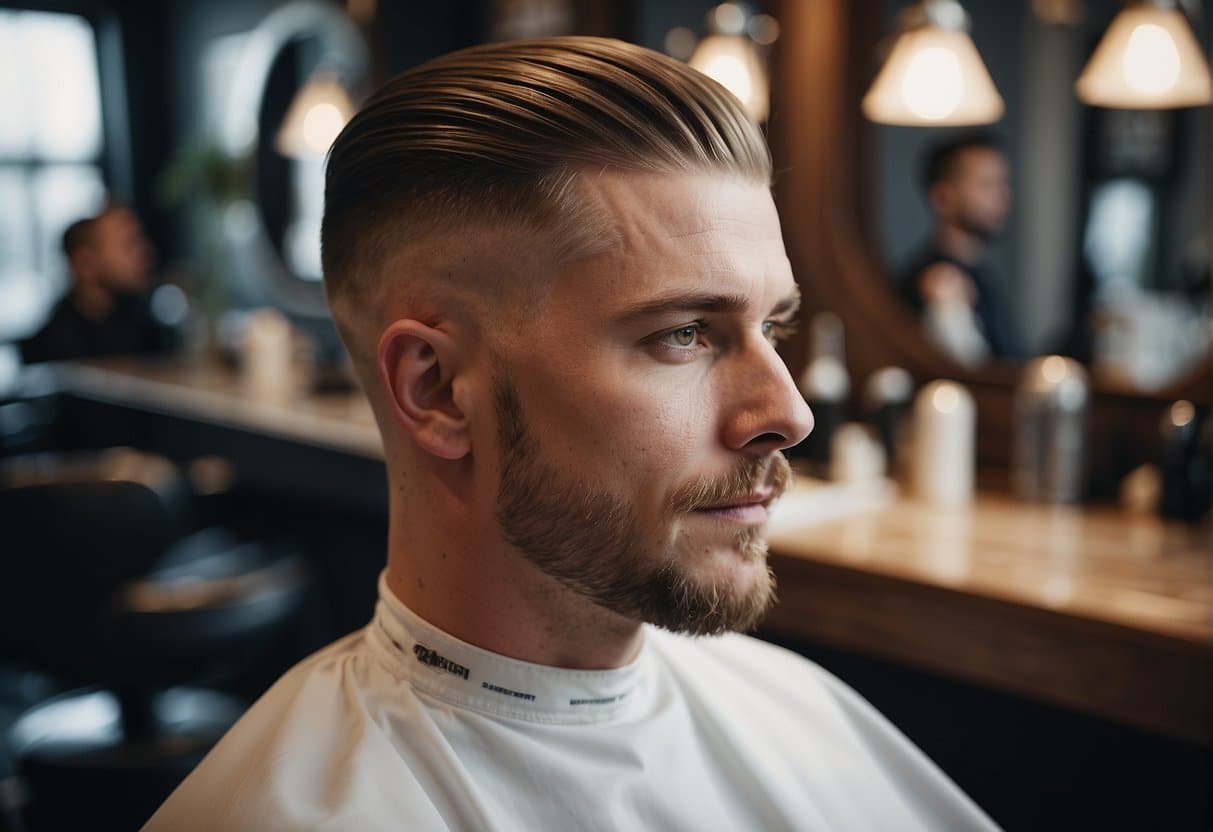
pixel 729 56
pixel 1147 60
pixel 934 76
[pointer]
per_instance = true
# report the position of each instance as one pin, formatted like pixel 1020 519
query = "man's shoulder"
pixel 59 335
pixel 774 686
pixel 802 718
pixel 286 763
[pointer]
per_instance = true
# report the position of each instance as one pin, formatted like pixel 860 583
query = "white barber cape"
pixel 403 727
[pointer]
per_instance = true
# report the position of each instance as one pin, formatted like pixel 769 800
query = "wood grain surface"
pixel 1085 607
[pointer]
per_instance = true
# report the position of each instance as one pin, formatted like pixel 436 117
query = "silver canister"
pixel 1051 405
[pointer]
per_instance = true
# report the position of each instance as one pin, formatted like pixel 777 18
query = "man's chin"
pixel 740 575
pixel 712 540
pixel 721 601
pixel 731 576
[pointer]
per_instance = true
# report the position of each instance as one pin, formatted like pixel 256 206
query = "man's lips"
pixel 750 509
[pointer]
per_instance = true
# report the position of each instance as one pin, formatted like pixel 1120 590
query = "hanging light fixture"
pixel 934 76
pixel 1147 60
pixel 317 114
pixel 729 55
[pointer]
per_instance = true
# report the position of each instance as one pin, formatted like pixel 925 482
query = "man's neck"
pixel 963 245
pixel 92 302
pixel 486 594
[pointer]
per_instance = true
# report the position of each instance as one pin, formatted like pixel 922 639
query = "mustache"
pixel 741 482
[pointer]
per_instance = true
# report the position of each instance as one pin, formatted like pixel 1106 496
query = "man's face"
pixel 641 416
pixel 123 254
pixel 980 192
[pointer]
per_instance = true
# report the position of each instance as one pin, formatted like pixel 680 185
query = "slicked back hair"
pixel 498 134
pixel 78 235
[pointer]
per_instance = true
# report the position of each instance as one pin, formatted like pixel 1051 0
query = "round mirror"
pixel 273 236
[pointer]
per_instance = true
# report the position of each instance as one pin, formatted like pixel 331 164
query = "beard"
pixel 591 540
pixel 986 231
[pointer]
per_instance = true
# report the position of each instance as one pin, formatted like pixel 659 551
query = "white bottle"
pixel 944 459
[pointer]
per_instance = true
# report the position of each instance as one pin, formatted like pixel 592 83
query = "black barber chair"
pixel 101 585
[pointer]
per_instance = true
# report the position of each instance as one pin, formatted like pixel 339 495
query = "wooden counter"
pixel 217 395
pixel 1087 608
pixel 290 444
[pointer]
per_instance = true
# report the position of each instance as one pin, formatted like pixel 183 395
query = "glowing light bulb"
pixel 321 126
pixel 1151 61
pixel 1182 413
pixel 1054 369
pixel 945 398
pixel 732 73
pixel 933 85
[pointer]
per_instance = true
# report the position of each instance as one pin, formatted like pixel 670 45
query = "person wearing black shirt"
pixel 949 283
pixel 106 311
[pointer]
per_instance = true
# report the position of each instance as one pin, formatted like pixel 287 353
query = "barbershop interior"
pixel 999 534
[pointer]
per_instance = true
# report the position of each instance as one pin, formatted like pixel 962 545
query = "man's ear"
pixel 84 264
pixel 940 195
pixel 418 366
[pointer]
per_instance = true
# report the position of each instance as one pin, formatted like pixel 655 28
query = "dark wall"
pixel 411 33
pixel 654 19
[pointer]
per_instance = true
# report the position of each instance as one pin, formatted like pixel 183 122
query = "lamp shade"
pixel 732 61
pixel 317 114
pixel 934 77
pixel 1148 60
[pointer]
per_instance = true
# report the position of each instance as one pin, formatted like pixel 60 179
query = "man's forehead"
pixel 118 219
pixel 646 207
pixel 981 158
pixel 682 235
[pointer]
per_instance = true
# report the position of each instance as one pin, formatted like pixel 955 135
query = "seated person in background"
pixel 950 285
pixel 106 311
pixel 559 272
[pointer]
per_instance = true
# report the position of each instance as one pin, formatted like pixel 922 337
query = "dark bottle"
pixel 1185 461
pixel 887 395
pixel 825 385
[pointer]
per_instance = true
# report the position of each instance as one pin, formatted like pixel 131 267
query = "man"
pixel 558 269
pixel 106 310
pixel 949 283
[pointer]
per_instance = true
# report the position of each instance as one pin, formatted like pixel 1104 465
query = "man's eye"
pixel 682 337
pixel 776 331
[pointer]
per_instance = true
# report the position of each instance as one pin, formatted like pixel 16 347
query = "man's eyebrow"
pixel 723 304
pixel 790 304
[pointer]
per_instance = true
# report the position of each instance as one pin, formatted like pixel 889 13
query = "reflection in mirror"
pixel 292 213
pixel 950 283
pixel 1062 228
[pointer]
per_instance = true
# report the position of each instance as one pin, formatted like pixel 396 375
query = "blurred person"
pixel 950 283
pixel 560 275
pixel 107 309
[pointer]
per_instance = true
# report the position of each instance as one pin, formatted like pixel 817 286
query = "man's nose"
pixel 769 413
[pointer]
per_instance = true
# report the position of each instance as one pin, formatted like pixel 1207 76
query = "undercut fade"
pixel 498 134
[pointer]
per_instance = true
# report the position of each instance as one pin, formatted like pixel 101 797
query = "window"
pixel 51 151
